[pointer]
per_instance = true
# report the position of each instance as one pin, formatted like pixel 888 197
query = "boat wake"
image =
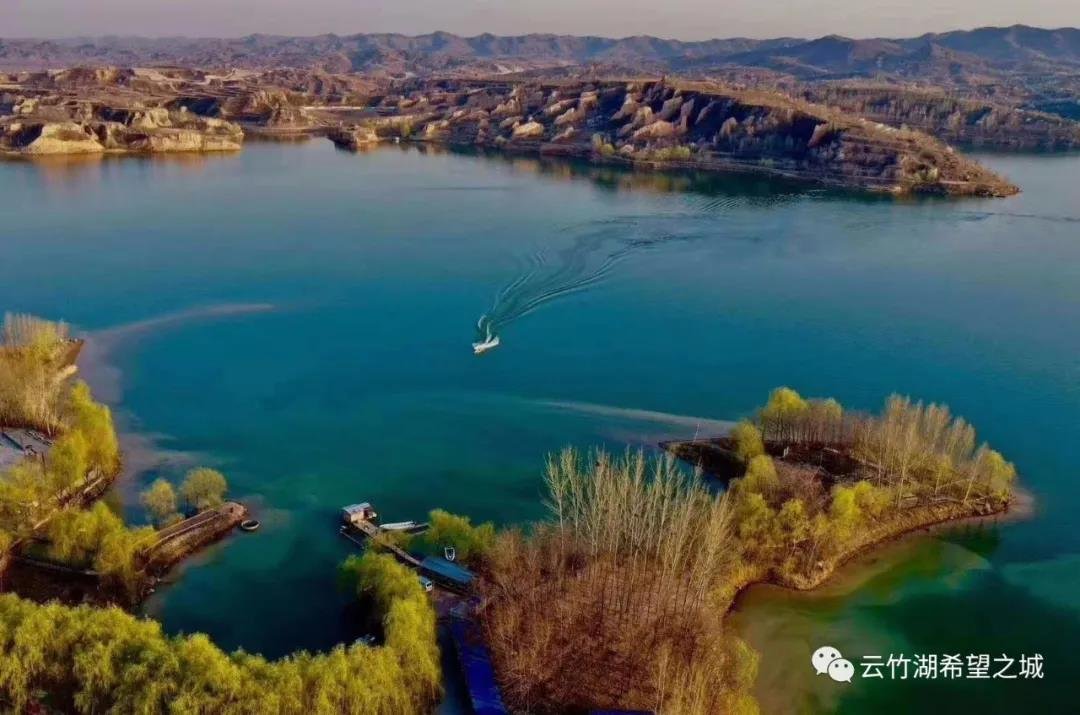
pixel 583 265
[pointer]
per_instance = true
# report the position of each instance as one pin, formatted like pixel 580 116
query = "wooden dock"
pixel 372 531
pixel 182 538
pixel 361 528
pixel 232 511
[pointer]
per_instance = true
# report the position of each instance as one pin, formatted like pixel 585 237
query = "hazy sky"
pixel 684 19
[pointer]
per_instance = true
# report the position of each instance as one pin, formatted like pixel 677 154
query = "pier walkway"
pixel 371 531
pixel 177 541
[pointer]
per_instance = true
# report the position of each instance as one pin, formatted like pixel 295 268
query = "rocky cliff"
pixel 110 130
pixel 272 103
pixel 643 122
pixel 698 125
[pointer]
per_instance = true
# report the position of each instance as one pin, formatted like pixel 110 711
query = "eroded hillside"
pixel 676 124
pixel 971 122
pixel 652 123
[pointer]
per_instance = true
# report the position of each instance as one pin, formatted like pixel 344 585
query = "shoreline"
pixel 718 165
pixel 43 580
pixel 1021 510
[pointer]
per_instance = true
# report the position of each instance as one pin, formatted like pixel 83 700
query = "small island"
pixel 619 599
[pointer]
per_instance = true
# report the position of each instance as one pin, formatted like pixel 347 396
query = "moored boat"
pixel 411 527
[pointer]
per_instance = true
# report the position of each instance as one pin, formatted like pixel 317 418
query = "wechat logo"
pixel 828 661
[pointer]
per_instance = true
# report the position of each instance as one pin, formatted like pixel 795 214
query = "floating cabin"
pixel 354 514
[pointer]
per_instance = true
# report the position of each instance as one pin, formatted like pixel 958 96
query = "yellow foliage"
pixel 95 422
pixel 68 461
pixel 470 542
pixel 159 499
pixel 204 488
pixel 105 660
pixel 761 476
pixel 748 441
pixel 780 413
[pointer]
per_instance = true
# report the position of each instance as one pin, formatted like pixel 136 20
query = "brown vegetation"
pixel 618 599
pixel 31 373
pixel 613 601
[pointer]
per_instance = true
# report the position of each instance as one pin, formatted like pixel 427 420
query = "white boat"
pixel 489 344
pixel 409 526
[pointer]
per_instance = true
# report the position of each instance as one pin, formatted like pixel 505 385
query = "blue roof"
pixel 475 661
pixel 446 569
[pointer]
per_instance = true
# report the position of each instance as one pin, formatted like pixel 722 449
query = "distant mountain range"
pixel 985 51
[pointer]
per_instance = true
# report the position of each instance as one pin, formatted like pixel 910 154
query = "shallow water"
pixel 301 317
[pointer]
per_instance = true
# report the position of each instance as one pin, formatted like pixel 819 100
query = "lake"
pixel 301 318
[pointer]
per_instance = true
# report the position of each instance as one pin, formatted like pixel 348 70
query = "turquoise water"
pixel 301 318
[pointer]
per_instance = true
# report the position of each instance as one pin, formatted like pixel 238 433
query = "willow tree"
pixel 748 441
pixel 469 541
pixel 159 499
pixel 93 660
pixel 94 421
pixel 203 488
pixel 781 414
pixel 119 559
pixel 68 462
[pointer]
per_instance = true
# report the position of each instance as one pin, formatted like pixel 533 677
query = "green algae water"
pixel 301 319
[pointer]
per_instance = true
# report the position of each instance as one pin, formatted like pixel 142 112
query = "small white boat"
pixel 489 344
pixel 411 527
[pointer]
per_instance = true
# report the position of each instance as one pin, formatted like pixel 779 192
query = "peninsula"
pixel 59 455
pixel 660 124
pixel 619 599
pixel 61 652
